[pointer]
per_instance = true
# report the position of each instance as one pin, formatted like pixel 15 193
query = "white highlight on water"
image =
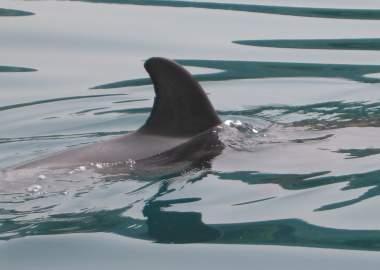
pixel 130 163
pixel 34 188
pixel 237 124
pixel 99 165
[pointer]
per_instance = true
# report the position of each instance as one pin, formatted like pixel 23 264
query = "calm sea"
pixel 302 193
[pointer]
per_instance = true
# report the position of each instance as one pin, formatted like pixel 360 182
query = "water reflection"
pixel 38 102
pixel 101 221
pixel 16 69
pixel 234 70
pixel 155 218
pixel 359 153
pixel 62 136
pixel 294 232
pixel 372 44
pixel 320 116
pixel 177 227
pixel 369 180
pixel 356 14
pixel 143 110
pixel 14 12
pixel 187 227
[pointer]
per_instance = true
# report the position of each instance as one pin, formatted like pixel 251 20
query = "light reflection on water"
pixel 310 178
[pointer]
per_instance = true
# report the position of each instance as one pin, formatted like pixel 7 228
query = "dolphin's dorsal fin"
pixel 181 107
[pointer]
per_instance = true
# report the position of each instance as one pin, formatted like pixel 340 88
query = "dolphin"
pixel 181 129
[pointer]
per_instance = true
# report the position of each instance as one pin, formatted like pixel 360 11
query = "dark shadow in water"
pixel 90 110
pixel 254 201
pixel 62 136
pixel 130 100
pixel 295 232
pixel 369 180
pixel 14 12
pixel 38 102
pixel 101 221
pixel 372 44
pixel 16 69
pixel 143 110
pixel 233 70
pixel 177 227
pixel 126 83
pixel 359 153
pixel 187 227
pixel 334 13
pixel 326 115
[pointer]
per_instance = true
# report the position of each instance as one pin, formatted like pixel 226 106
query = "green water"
pixel 372 44
pixel 302 193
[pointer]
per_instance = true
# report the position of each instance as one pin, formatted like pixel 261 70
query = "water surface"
pixel 303 190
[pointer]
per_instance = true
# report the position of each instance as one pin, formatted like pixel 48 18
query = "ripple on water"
pixel 295 171
pixel 318 44
pixel 236 70
pixel 14 12
pixel 335 13
pixel 16 69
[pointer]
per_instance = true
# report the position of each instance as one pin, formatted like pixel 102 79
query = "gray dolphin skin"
pixel 182 128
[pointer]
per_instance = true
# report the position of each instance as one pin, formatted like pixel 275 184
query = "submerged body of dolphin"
pixel 180 129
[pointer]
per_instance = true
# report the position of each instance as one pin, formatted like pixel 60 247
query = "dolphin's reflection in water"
pixel 161 225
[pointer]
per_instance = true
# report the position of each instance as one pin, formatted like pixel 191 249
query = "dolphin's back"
pixel 181 107
pixel 181 115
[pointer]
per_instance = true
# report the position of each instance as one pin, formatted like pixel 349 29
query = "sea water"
pixel 297 84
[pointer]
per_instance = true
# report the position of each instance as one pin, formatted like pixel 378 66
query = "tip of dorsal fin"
pixel 181 107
